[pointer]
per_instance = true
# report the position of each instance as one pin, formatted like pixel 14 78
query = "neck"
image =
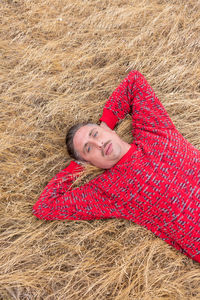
pixel 125 148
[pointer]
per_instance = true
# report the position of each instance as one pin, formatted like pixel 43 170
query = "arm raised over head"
pixel 58 201
pixel 135 96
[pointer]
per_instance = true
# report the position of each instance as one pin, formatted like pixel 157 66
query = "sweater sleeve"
pixel 58 201
pixel 136 97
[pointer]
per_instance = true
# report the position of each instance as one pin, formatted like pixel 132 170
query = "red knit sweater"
pixel 155 184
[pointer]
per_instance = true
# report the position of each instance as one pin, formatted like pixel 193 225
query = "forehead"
pixel 80 137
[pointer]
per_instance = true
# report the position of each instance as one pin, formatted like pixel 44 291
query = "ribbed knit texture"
pixel 155 184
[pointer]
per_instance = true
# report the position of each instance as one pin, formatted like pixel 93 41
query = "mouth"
pixel 107 148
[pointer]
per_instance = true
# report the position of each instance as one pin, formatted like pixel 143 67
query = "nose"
pixel 98 144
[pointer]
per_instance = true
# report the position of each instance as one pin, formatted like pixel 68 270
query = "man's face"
pixel 99 146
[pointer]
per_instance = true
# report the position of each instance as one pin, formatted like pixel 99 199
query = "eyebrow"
pixel 90 133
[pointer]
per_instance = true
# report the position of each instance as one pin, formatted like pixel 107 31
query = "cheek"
pixel 96 153
pixel 94 156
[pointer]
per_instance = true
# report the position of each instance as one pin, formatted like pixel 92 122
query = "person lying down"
pixel 154 181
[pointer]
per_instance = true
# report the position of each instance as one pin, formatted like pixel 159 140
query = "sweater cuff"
pixel 109 118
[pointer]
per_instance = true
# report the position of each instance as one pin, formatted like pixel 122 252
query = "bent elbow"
pixel 38 211
pixel 41 209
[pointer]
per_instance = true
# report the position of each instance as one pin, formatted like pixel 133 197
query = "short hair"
pixel 69 140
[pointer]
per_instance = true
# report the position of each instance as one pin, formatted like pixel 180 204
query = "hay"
pixel 60 60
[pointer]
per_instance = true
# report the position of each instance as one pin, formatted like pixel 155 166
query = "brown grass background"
pixel 60 61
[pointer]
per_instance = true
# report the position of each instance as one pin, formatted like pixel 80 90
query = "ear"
pixel 81 162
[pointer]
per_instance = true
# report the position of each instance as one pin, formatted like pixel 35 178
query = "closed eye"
pixel 95 134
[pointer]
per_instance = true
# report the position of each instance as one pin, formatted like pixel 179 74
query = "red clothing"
pixel 156 183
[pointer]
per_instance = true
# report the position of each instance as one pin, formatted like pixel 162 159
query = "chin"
pixel 110 165
pixel 105 167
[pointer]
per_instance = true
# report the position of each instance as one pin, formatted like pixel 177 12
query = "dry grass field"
pixel 60 61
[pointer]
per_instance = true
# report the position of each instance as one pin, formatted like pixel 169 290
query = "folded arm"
pixel 58 201
pixel 135 96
